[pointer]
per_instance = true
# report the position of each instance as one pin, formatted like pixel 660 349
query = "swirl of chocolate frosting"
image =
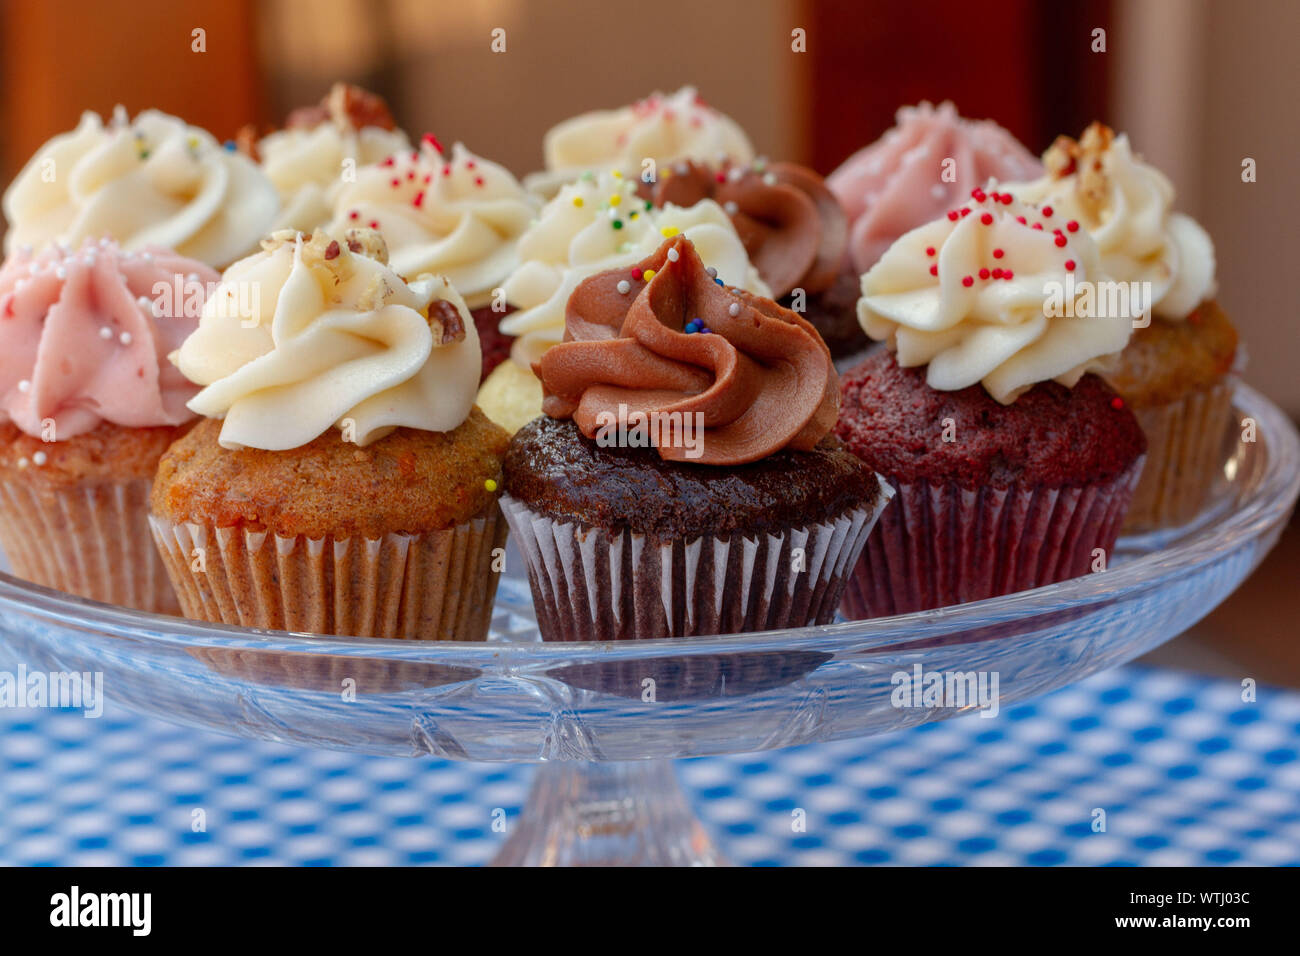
pixel 793 228
pixel 667 341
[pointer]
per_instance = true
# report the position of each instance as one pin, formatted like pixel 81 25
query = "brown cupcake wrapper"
pixel 1185 455
pixel 434 586
pixel 592 585
pixel 940 544
pixel 90 539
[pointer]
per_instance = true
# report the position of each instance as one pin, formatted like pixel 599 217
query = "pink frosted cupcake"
pixel 928 163
pixel 88 404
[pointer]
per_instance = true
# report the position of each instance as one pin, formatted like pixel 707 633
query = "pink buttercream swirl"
pixel 897 183
pixel 85 334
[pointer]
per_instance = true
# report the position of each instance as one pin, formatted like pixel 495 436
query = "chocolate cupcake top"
pixel 85 334
pixel 151 181
pixel 793 227
pixel 305 160
pixel 1126 205
pixel 316 332
pixel 668 342
pixel 999 292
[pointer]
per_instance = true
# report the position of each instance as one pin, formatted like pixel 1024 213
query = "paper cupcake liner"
pixel 592 585
pixel 940 544
pixel 1185 454
pixel 434 586
pixel 91 540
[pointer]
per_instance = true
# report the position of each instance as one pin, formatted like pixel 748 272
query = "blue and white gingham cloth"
pixel 1185 771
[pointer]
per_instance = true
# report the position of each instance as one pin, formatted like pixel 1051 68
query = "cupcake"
pixel 794 231
pixel 595 224
pixel 88 405
pixel 660 128
pixel 341 481
pixel 153 181
pixel 683 480
pixel 927 164
pixel 1013 461
pixel 310 159
pixel 448 213
pixel 1177 372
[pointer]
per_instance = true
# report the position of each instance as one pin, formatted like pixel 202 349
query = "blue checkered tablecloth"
pixel 1186 772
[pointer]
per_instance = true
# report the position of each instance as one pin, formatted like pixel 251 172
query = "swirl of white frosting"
pixel 156 181
pixel 599 223
pixel 1126 206
pixel 940 296
pixel 295 341
pixel 306 166
pixel 665 128
pixel 456 215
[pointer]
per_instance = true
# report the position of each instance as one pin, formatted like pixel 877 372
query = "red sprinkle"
pixel 987 219
pixel 396 182
pixel 998 253
pixel 433 141
pixel 478 180
pixel 965 213
pixel 997 273
pixel 1069 264
pixel 1008 274
pixel 984 273
pixel 1060 240
pixel 387 162
pixel 418 201
pixel 1072 226
pixel 968 281
pixel 469 164
pixel 446 170
pixel 1021 220
pixel 1047 212
pixel 1038 226
pixel 410 174
pixel 929 250
pixel 978 194
pixel 934 269
pixel 953 215
pixel 374 223
pixel 1117 403
pixel 354 214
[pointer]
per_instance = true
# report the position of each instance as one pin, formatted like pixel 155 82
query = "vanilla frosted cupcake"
pixel 594 225
pixel 88 404
pixel 308 159
pixel 1178 371
pixel 663 128
pixel 151 181
pixel 342 481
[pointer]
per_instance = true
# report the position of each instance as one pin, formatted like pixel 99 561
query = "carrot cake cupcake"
pixel 342 481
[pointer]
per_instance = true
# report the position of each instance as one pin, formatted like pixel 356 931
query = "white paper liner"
pixel 91 540
pixel 1185 453
pixel 590 584
pixel 434 586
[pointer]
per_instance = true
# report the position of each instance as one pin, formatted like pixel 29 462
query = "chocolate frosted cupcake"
pixel 88 404
pixel 794 231
pixel 349 486
pixel 683 481
pixel 1178 371
pixel 1014 464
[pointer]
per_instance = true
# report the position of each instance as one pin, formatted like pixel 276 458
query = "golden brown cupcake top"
pixel 1165 360
pixel 410 481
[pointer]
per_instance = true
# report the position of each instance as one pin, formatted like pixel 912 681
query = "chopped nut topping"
pixel 1067 157
pixel 246 142
pixel 347 107
pixel 446 322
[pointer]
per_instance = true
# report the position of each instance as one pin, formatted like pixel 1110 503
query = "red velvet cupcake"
pixel 1014 466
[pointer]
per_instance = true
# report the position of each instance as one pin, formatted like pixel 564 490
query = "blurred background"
pixel 1200 86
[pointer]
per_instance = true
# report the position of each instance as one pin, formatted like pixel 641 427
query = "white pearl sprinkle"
pixel 105 333
pixel 735 173
pixel 23 462
pixel 20 285
pixel 60 273
pixel 125 338
pixel 192 277
pixel 144 302
pixel 769 179
pixel 40 458
pixel 733 309
pixel 25 250
pixel 104 243
pixel 672 255
pixel 24 386
pixel 146 257
pixel 730 207
pixel 713 273
pixel 624 287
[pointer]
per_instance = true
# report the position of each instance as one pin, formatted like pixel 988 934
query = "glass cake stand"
pixel 605 720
